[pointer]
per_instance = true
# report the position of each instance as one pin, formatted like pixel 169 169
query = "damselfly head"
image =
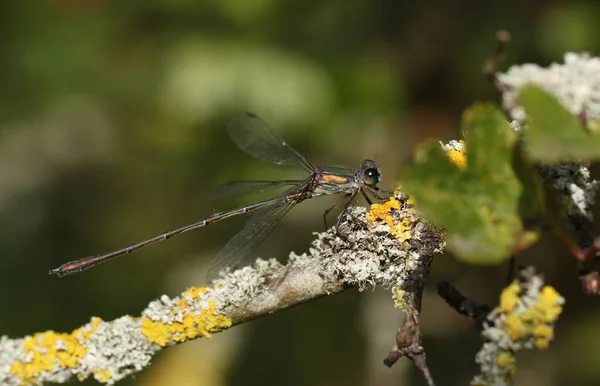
pixel 371 175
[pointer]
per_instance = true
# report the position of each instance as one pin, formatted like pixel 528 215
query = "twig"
pixel 510 275
pixel 464 306
pixel 408 344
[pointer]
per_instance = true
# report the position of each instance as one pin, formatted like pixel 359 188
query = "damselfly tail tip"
pixel 55 271
pixel 60 271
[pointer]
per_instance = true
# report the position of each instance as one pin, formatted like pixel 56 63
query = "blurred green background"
pixel 112 118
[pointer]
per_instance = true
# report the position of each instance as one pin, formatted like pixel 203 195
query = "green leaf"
pixel 553 134
pixel 481 206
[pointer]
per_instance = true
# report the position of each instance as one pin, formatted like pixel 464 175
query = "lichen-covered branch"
pixel 523 320
pixel 389 246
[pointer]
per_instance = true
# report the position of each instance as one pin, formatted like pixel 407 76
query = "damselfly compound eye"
pixel 371 177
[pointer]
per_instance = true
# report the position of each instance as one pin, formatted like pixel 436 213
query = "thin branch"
pixel 510 271
pixel 464 306
pixel 409 344
pixel 490 66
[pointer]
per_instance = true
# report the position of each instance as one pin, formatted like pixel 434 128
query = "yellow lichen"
pixel 546 309
pixel 156 332
pixel 402 230
pixel 194 292
pixel 192 326
pixel 514 327
pixel 509 297
pixel 543 331
pixel 542 344
pixel 534 323
pixel 49 349
pixel 507 360
pixel 458 157
pixel 399 298
pixel 382 212
pixel 85 334
pixel 103 375
pixel 549 294
pixel 526 314
pixel 548 306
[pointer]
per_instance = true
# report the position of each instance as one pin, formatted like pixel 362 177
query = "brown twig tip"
pixel 490 65
pixel 503 36
pixel 408 344
pixel 590 282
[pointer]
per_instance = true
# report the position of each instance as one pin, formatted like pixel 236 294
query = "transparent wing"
pixel 235 253
pixel 241 188
pixel 254 136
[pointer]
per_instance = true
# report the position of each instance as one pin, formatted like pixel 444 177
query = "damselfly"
pixel 252 135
